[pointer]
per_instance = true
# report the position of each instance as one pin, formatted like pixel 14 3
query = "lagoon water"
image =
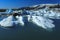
pixel 30 32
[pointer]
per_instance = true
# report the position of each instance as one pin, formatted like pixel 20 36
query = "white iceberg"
pixel 7 22
pixel 20 20
pixel 42 22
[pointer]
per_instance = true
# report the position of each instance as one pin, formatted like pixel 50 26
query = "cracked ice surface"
pixel 8 22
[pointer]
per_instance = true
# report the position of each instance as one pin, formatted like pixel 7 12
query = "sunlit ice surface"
pixel 41 18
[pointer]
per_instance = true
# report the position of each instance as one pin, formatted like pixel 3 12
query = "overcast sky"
pixel 22 3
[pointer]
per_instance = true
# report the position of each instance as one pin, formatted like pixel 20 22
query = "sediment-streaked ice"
pixel 7 22
pixel 29 17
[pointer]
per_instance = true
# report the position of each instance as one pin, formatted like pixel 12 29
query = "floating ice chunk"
pixel 42 22
pixel 38 22
pixel 20 20
pixel 29 17
pixel 7 22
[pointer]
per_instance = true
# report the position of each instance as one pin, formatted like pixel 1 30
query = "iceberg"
pixel 20 20
pixel 7 22
pixel 42 22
